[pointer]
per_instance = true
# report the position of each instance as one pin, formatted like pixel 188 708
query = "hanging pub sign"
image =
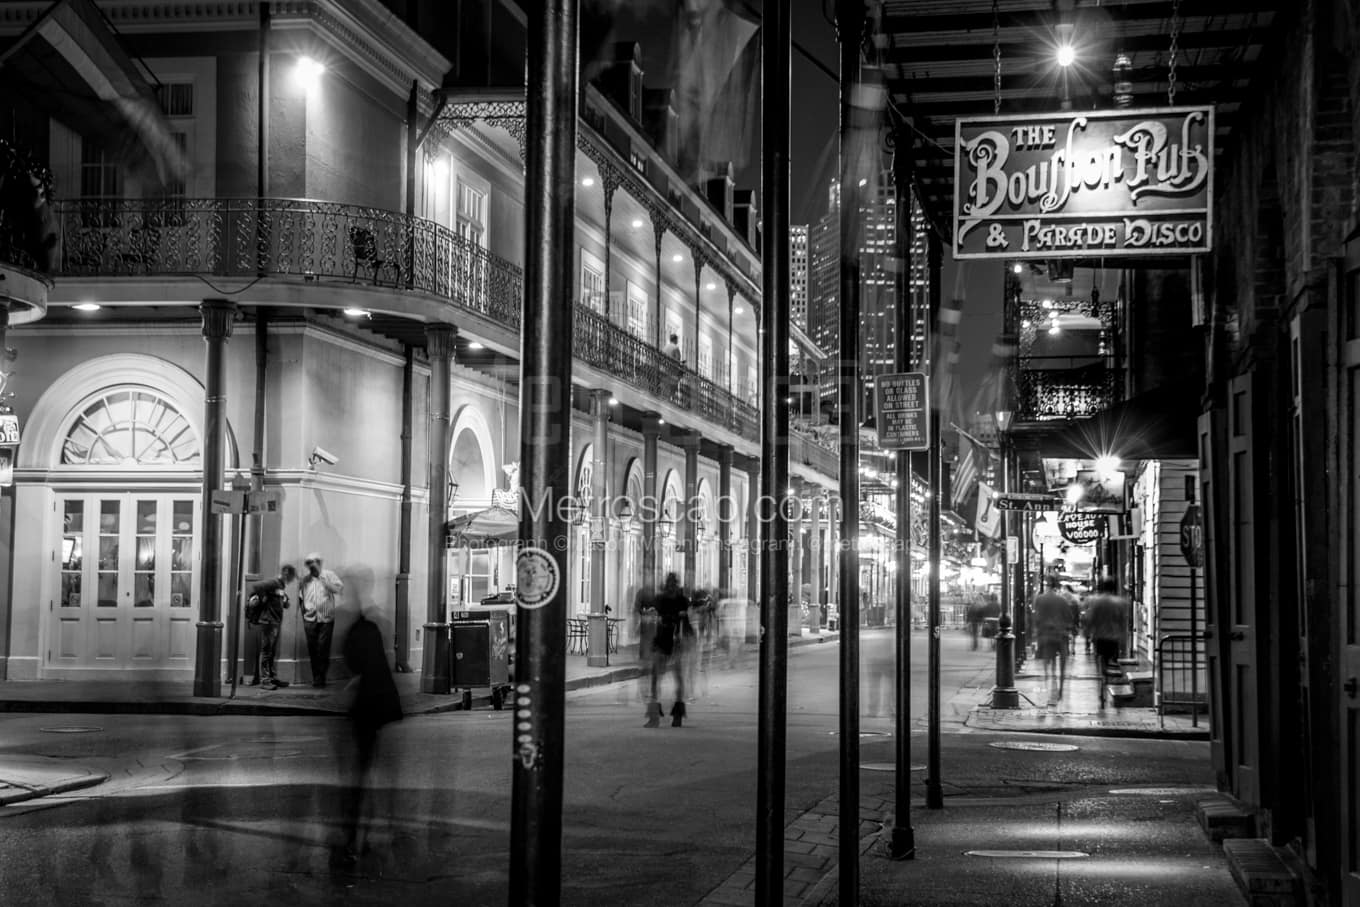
pixel 1079 185
pixel 1081 527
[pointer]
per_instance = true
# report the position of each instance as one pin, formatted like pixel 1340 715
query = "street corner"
pixel 31 777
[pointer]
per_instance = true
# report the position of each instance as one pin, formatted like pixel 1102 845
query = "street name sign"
pixel 1110 183
pixel 902 419
pixel 1028 502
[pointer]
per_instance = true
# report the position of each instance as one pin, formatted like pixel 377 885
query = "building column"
pixel 649 508
pixel 725 516
pixel 698 302
pixel 658 231
pixel 833 561
pixel 814 621
pixel 610 184
pixel 598 651
pixel 218 316
pixel 731 324
pixel 434 663
pixel 688 531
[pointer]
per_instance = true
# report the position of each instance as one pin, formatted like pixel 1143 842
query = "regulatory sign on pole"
pixel 903 416
pixel 1192 537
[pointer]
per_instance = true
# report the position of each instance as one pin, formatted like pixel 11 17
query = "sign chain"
pixel 996 55
pixel 1175 37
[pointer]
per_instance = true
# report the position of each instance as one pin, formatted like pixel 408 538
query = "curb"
pixel 47 790
pixel 208 707
pixel 973 723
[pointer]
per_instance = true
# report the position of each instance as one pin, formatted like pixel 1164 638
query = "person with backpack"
pixel 264 611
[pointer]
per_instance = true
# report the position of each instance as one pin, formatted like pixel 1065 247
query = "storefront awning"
pixel 1156 425
pixel 70 64
pixel 483 528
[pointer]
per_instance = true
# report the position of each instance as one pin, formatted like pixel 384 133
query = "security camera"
pixel 324 455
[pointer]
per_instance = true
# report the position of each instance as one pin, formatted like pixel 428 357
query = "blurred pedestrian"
pixel 373 703
pixel 273 600
pixel 321 590
pixel 1106 623
pixel 879 660
pixel 670 646
pixel 1052 620
pixel 732 627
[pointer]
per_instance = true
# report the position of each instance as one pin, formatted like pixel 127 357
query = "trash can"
pixel 479 652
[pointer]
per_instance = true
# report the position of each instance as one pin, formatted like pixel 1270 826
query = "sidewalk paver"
pixel 30 777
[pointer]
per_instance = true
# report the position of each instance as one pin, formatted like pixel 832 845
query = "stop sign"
pixel 1192 537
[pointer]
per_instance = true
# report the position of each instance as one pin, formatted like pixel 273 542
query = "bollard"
pixel 1004 694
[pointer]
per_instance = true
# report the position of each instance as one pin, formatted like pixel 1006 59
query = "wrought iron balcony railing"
pixel 315 239
pixel 606 346
pixel 1064 393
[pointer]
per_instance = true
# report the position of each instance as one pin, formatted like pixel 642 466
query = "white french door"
pixel 126 581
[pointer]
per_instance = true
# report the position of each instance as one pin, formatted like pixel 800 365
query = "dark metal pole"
pixel 902 845
pixel 253 558
pixel 934 794
pixel 401 637
pixel 545 452
pixel 776 41
pixel 262 142
pixel 850 18
pixel 218 315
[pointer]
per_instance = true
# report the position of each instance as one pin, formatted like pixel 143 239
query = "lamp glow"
pixel 355 312
pixel 1107 465
pixel 1075 493
pixel 87 307
pixel 1066 55
pixel 308 72
pixel 587 181
pixel 637 223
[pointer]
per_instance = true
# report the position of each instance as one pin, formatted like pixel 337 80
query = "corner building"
pixel 362 288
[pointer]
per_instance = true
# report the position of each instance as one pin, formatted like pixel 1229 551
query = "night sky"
pixel 813 147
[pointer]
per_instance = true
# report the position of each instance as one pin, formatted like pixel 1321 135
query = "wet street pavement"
pixel 225 809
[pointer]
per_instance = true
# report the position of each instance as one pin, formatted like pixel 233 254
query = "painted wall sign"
pixel 1069 185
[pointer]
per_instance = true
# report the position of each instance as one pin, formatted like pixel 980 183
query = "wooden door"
pixel 1348 595
pixel 1242 629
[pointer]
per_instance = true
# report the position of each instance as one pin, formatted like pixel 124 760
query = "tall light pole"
pixel 1005 695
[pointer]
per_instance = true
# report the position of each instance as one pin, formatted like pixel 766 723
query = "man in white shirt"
pixel 320 592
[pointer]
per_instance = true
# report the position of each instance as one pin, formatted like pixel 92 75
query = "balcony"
pixel 1047 394
pixel 311 240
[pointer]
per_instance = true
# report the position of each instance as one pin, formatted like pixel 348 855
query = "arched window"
pixel 130 426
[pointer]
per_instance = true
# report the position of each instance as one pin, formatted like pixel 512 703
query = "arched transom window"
pixel 130 426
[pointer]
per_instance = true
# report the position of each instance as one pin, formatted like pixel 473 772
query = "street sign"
pixel 1028 501
pixel 1081 527
pixel 1192 537
pixel 228 502
pixel 902 417
pixel 264 501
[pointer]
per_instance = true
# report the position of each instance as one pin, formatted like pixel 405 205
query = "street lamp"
pixel 1004 694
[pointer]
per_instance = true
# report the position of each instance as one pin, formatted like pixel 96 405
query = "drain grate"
pixel 1029 854
pixel 1033 746
pixel 71 729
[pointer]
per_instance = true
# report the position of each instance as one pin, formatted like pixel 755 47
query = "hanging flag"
pixel 717 82
pixel 966 475
pixel 988 520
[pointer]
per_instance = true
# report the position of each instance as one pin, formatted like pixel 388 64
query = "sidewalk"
pixel 166 697
pixel 1078 711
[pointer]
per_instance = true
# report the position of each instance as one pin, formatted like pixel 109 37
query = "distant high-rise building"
pixel 879 272
pixel 798 274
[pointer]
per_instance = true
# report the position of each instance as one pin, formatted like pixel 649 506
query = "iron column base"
pixel 434 662
pixel 902 846
pixel 1005 698
pixel 208 659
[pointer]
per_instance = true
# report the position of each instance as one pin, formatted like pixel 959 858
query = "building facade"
pixel 349 301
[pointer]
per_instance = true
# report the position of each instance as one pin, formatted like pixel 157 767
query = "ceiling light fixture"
pixel 588 181
pixel 355 312
pixel 87 306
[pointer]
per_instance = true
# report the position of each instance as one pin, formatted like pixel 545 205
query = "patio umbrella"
pixel 483 528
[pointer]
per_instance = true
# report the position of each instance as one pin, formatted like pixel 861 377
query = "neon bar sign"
pixel 1100 183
